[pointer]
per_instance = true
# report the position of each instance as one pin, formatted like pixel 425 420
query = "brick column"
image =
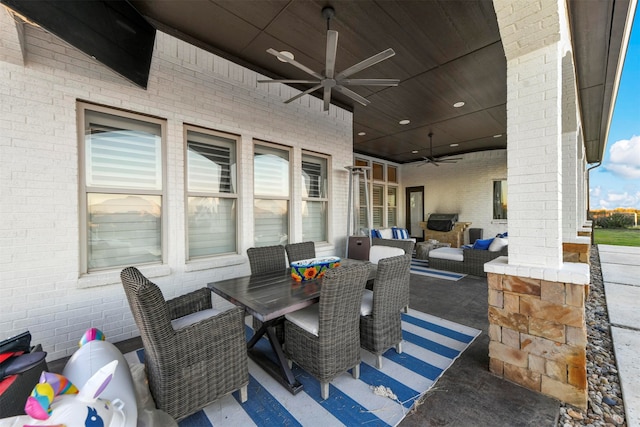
pixel 537 295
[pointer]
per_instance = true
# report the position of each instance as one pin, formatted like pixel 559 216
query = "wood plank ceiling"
pixel 446 51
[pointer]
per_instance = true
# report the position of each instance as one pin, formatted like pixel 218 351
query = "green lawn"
pixel 617 236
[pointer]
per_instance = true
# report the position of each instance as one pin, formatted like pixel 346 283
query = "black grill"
pixel 442 222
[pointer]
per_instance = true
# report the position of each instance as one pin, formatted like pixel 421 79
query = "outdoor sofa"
pixel 468 260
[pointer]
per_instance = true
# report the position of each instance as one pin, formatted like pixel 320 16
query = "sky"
pixel 616 183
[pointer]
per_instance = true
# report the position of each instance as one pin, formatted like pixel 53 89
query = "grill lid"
pixel 442 222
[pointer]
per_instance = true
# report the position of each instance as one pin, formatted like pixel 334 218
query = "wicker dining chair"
pixel 324 338
pixel 188 366
pixel 380 318
pixel 298 251
pixel 266 259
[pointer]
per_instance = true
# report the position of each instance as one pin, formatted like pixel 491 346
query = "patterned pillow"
pixel 400 233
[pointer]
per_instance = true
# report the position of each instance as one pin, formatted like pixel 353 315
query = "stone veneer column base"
pixel 538 335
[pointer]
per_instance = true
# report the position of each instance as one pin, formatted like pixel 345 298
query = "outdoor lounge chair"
pixel 380 318
pixel 193 356
pixel 324 338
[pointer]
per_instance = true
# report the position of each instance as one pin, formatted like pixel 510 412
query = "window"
pixel 377 203
pixel 271 190
pixel 392 206
pixel 378 171
pixel 121 189
pixel 500 199
pixel 392 174
pixel 314 198
pixel 211 193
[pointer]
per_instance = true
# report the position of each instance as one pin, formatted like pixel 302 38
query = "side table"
pixel 423 248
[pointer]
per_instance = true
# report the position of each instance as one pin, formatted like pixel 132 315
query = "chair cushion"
pixel 306 318
pixel 366 306
pixel 192 318
pixel 482 244
pixel 452 254
pixel 378 252
pixel 498 243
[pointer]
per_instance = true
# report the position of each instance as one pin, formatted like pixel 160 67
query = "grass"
pixel 617 236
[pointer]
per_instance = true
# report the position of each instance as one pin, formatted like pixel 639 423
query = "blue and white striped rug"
pixel 430 347
pixel 421 267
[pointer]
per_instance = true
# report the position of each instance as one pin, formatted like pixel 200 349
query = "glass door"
pixel 415 211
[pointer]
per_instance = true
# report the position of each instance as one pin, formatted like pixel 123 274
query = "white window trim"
pixel 327 199
pixel 203 260
pixel 82 189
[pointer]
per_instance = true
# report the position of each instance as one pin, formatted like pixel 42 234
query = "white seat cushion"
pixel 192 318
pixel 306 318
pixel 452 254
pixel 378 252
pixel 366 306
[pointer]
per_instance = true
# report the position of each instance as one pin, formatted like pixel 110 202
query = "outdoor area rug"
pixel 421 267
pixel 378 398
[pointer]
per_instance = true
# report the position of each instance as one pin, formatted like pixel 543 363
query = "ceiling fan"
pixel 436 160
pixel 330 79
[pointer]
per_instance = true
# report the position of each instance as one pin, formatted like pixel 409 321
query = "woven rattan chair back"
pixel 298 251
pixel 382 329
pixel 336 348
pixel 266 259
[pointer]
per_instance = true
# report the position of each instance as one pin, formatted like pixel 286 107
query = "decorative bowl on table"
pixel 313 268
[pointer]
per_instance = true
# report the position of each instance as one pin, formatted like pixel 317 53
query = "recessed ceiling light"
pixel 285 53
pixel 453 145
pixel 362 133
pixel 459 104
pixel 404 122
pixel 497 136
pixel 414 152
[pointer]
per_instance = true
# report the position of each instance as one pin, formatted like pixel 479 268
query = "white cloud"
pixel 596 191
pixel 624 158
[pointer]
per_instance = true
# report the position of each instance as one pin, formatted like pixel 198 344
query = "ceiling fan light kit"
pixel 330 80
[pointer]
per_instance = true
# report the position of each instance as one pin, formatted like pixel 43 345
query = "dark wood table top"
pixel 271 295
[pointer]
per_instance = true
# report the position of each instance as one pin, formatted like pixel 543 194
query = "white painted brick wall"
pixel 39 216
pixel 470 193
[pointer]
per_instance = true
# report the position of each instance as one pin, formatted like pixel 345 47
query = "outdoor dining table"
pixel 268 297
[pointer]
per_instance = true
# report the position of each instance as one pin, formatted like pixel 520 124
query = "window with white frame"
pixel 271 178
pixel 500 199
pixel 121 180
pixel 315 198
pixel 377 205
pixel 211 193
pixel 392 206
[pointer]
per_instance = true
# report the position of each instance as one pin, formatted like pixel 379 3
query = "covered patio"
pixel 538 80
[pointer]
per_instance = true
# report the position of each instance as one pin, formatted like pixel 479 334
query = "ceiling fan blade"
pixel 327 97
pixel 385 54
pixel 300 95
pixel 288 81
pixel 294 63
pixel 332 48
pixel 351 94
pixel 370 82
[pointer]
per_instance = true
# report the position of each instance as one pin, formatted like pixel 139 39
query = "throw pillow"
pixel 482 244
pixel 497 244
pixel 400 233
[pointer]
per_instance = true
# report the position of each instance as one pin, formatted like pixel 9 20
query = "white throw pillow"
pixel 192 318
pixel 498 243
pixel 386 233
